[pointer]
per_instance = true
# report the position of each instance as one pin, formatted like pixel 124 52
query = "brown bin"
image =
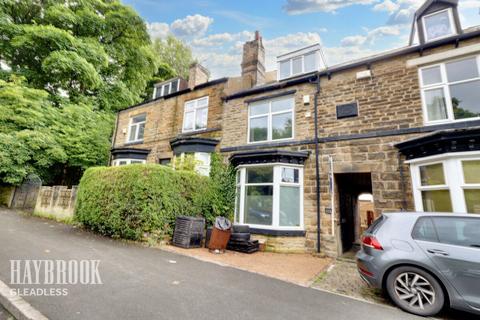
pixel 219 239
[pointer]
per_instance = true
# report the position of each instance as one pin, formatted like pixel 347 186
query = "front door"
pixel 456 254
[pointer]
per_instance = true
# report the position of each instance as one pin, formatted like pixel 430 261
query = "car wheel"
pixel 415 290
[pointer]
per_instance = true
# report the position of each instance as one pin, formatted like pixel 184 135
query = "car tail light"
pixel 372 242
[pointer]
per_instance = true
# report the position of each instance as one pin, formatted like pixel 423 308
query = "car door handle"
pixel 437 252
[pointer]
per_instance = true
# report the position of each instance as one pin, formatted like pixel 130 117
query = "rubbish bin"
pixel 220 234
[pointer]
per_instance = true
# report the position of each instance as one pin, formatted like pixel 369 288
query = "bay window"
pixel 197 161
pixel 447 183
pixel 271 120
pixel 451 90
pixel 195 115
pixel 270 196
pixel 136 128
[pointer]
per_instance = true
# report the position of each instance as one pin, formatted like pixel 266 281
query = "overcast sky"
pixel 347 29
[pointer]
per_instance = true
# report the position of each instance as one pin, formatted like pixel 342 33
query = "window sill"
pixel 133 143
pixel 278 233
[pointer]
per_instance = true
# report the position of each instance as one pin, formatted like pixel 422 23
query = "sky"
pixel 346 29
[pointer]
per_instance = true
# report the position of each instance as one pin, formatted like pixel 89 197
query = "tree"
pixel 38 137
pixel 173 54
pixel 90 51
pixel 65 68
pixel 174 60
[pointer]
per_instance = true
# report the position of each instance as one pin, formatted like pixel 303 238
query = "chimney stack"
pixel 253 62
pixel 198 74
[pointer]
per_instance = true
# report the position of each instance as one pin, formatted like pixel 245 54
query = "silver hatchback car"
pixel 425 261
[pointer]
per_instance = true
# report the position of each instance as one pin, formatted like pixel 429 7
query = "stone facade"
pixel 164 121
pixel 357 154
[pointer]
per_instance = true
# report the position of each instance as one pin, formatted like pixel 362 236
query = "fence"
pixel 57 201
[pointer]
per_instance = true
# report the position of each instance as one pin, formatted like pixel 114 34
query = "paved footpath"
pixel 146 283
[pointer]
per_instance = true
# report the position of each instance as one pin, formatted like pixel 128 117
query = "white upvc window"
pixel 123 162
pixel 195 114
pixel 270 120
pixel 451 90
pixel 270 196
pixel 136 128
pixel 438 25
pixel 447 183
pixel 166 88
pixel 290 66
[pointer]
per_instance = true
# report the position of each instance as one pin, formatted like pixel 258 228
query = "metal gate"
pixel 25 196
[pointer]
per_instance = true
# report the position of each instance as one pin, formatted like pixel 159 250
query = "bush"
pixel 221 193
pixel 128 201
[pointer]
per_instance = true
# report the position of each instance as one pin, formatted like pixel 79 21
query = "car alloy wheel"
pixel 414 289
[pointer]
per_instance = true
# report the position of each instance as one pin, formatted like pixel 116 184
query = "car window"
pixel 425 230
pixel 458 231
pixel 375 225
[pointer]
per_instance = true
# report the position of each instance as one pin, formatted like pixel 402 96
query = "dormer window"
pixel 435 20
pixel 298 62
pixel 438 25
pixel 168 87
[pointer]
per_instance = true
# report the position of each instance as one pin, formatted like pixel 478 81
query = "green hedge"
pixel 129 201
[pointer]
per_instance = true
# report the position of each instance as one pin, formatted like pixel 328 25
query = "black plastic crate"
pixel 188 232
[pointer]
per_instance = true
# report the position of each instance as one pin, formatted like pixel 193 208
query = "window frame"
pixel 301 55
pixel 451 21
pixel 205 166
pixel 195 108
pixel 116 162
pixel 137 126
pixel 269 116
pixel 453 174
pixel 162 87
pixel 276 183
pixel 444 85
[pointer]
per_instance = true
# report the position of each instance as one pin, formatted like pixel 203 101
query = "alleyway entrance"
pixel 356 206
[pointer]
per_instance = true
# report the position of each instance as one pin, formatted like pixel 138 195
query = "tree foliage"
pixel 65 68
pixel 83 50
pixel 36 136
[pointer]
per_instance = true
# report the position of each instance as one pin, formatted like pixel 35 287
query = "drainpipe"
pixel 402 182
pixel 317 156
pixel 113 138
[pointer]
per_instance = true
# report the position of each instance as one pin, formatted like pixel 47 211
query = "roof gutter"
pixel 367 61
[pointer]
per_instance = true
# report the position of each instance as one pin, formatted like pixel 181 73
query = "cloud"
pixel 158 30
pixel 219 39
pixel 195 25
pixel 308 6
pixel 386 5
pixel 353 41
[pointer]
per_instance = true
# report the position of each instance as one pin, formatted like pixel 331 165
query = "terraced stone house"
pixel 322 151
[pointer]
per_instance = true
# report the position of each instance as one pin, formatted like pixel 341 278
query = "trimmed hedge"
pixel 129 201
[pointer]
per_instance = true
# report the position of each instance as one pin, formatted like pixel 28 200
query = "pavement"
pixel 342 278
pixel 148 283
pixel 301 269
pixel 4 314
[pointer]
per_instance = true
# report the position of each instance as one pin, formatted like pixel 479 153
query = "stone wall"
pixel 56 201
pixel 164 121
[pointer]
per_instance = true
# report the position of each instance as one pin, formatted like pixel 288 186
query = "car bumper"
pixel 367 269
